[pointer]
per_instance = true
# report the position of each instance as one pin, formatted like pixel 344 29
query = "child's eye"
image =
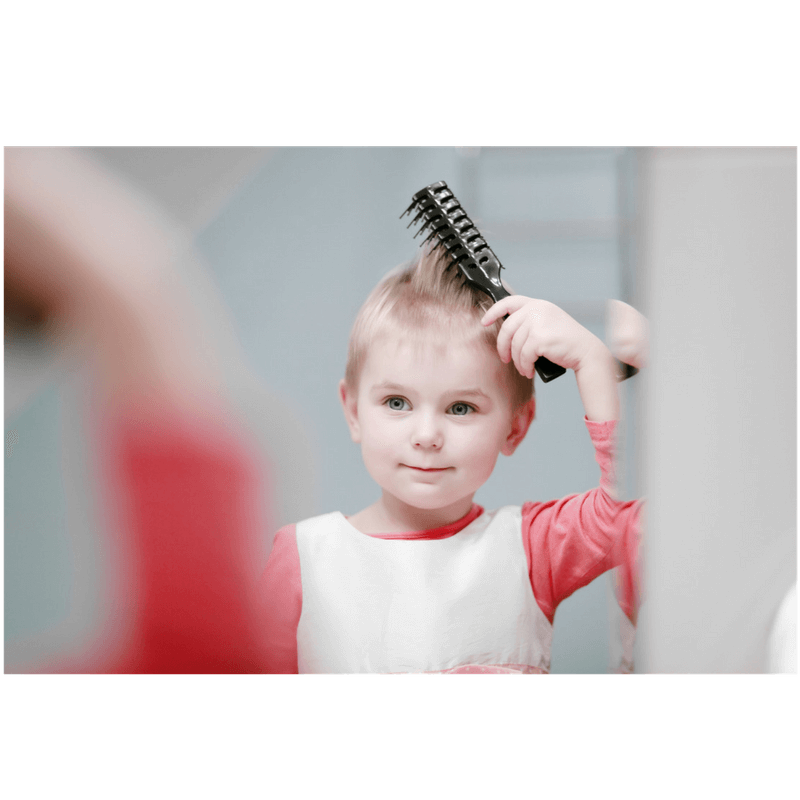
pixel 461 409
pixel 396 403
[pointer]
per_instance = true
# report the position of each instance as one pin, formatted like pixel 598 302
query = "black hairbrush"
pixel 439 210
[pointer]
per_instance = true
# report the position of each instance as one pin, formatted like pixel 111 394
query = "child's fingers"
pixel 516 340
pixel 508 305
pixel 527 358
pixel 507 334
pixel 523 349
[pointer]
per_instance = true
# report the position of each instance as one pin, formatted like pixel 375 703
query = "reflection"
pixel 627 334
pixel 439 384
pixel 92 266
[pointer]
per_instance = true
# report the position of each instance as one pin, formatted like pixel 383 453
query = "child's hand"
pixel 538 328
pixel 627 333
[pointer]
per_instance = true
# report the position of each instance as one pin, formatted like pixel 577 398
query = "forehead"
pixel 436 357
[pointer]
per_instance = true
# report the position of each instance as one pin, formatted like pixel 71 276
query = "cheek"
pixel 481 450
pixel 485 462
pixel 378 439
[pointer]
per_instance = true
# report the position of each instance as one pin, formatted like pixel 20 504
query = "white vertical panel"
pixel 719 259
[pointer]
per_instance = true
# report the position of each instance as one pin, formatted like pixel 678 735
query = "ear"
pixel 348 400
pixel 520 423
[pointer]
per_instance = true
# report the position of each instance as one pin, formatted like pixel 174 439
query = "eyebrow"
pixel 396 387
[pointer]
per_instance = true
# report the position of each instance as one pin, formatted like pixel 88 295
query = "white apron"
pixel 460 604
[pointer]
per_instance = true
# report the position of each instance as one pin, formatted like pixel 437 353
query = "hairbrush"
pixel 439 210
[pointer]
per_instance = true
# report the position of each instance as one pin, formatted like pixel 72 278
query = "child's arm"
pixel 572 541
pixel 539 328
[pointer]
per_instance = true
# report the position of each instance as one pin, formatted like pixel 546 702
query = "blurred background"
pixel 702 241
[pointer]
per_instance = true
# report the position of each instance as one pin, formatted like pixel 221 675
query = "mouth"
pixel 427 469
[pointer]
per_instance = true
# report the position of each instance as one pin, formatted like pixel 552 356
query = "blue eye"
pixel 396 403
pixel 461 409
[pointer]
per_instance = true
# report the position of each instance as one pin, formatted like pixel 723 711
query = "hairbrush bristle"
pixel 451 232
pixel 445 226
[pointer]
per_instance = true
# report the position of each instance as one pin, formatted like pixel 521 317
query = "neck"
pixel 389 515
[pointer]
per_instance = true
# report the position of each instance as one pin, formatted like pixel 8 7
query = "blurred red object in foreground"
pixel 188 500
pixel 98 268
pixel 194 521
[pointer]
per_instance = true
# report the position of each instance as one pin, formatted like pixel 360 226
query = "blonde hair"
pixel 422 295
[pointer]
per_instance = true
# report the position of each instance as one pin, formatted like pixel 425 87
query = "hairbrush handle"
pixel 626 370
pixel 547 370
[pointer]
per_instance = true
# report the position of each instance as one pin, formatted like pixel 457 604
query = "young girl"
pixel 437 385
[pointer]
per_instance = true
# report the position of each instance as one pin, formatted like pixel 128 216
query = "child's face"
pixel 432 414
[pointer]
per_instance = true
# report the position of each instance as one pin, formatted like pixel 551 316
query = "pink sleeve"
pixel 569 542
pixel 281 601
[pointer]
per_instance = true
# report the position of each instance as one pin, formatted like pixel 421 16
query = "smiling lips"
pixel 427 469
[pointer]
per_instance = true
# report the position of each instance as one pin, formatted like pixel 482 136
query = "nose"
pixel 427 435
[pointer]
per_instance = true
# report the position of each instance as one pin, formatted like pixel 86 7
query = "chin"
pixel 429 501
